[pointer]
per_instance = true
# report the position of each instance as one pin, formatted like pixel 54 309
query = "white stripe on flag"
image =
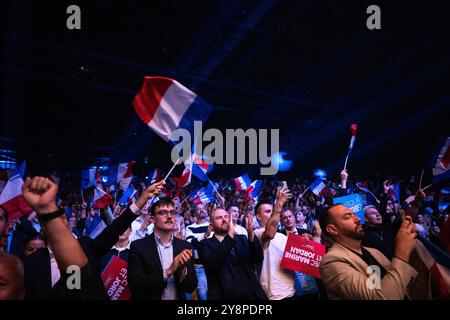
pixel 171 109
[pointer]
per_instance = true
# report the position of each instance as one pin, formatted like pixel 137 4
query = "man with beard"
pixel 351 271
pixel 229 260
pixel 160 266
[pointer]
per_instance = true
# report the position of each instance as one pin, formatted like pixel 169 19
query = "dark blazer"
pixel 145 274
pixel 230 268
pixel 38 271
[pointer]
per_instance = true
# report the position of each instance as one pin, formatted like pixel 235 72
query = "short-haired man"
pixel 229 260
pixel 345 268
pixel 278 283
pixel 233 211
pixel 288 221
pixel 160 266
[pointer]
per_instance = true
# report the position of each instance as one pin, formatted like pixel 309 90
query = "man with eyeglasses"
pixel 160 266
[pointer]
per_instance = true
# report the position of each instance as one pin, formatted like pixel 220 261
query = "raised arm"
pixel 40 194
pixel 283 195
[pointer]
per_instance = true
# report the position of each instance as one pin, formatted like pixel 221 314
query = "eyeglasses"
pixel 166 212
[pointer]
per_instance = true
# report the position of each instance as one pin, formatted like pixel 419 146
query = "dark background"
pixel 309 68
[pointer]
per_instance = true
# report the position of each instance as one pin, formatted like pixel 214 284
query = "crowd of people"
pixel 179 248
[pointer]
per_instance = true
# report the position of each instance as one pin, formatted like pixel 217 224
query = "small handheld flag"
pixel 353 129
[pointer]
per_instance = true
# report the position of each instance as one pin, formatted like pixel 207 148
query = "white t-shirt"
pixel 278 283
pixel 240 230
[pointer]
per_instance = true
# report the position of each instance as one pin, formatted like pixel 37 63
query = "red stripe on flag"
pixel 443 289
pixel 16 207
pixel 446 158
pixel 146 102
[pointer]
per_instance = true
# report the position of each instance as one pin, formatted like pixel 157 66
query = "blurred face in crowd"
pixel 220 221
pixel 264 213
pixel 124 236
pixel 288 220
pixel 435 230
pixel 344 224
pixel 92 212
pixel 164 218
pixel 75 211
pixel 373 217
pixel 200 211
pixel 118 210
pixel 179 224
pixel 72 222
pixel 2 221
pixel 33 245
pixel 300 217
pixel 11 278
pixel 234 213
pixel 420 219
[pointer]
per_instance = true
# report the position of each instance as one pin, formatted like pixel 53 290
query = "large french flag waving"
pixel 165 105
pixel 11 197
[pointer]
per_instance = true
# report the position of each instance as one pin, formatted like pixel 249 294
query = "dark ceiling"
pixel 309 68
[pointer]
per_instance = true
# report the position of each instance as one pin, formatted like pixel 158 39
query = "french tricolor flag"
pixel 253 189
pixel 438 263
pixel 364 186
pixel 205 195
pixel 121 174
pixel 165 105
pixel 242 182
pixel 11 197
pixel 128 196
pixel 101 199
pixel 317 186
pixel 199 167
pixel 154 176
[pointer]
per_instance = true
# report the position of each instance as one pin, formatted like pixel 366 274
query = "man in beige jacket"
pixel 345 269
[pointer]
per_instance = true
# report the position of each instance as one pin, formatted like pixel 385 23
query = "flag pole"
pixel 173 167
pixel 376 199
pixel 346 159
pixel 301 196
pixel 427 186
pixel 168 174
pixel 420 181
pixel 215 189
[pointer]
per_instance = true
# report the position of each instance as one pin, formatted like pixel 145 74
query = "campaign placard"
pixel 114 278
pixel 354 202
pixel 302 255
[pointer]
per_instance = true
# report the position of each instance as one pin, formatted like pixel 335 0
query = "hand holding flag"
pixel 149 193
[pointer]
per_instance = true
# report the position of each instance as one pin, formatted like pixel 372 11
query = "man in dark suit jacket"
pixel 229 260
pixel 38 270
pixel 160 266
